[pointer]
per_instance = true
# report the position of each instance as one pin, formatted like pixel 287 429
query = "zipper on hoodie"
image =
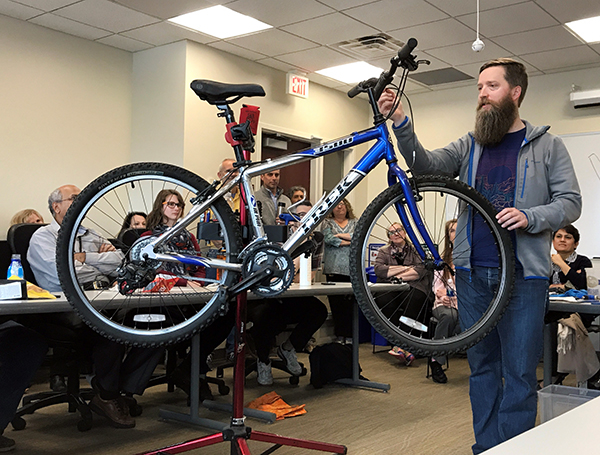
pixel 524 177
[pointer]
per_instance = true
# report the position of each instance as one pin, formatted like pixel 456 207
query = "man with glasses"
pixel 95 261
pixel 96 258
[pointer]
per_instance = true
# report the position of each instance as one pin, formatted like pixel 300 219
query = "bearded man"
pixel 528 176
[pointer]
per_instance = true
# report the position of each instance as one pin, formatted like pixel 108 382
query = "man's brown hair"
pixel 515 73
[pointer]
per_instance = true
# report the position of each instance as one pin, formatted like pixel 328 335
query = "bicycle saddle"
pixel 218 92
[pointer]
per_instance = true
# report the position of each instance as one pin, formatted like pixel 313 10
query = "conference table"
pixel 582 307
pixel 61 304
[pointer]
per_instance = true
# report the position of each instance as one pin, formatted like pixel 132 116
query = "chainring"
pixel 275 256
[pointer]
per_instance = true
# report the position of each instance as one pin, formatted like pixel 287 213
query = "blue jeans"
pixel 503 381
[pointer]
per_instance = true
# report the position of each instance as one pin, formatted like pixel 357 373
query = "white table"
pixel 570 433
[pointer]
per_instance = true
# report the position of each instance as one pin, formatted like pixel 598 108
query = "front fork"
pixel 397 175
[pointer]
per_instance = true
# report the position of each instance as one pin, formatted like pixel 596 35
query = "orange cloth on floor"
pixel 272 402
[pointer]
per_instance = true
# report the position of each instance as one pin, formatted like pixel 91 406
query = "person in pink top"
pixel 445 308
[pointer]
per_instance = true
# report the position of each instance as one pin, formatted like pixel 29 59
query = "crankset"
pixel 268 270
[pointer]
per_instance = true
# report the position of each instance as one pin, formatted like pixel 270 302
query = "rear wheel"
pixel 148 314
pixel 403 312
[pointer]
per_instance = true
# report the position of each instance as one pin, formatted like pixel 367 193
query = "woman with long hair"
pixel 445 308
pixel 337 230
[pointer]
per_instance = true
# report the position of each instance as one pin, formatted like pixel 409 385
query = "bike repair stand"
pixel 192 417
pixel 237 433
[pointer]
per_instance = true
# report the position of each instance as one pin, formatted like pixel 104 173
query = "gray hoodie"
pixel 546 188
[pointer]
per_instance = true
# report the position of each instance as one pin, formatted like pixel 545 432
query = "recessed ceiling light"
pixel 220 22
pixel 588 30
pixel 351 72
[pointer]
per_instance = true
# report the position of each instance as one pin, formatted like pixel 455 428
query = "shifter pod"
pixel 278 265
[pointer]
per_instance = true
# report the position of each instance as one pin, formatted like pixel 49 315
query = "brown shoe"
pixel 116 411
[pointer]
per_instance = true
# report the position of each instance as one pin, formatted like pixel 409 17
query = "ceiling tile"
pixel 388 15
pixel 167 9
pixel 280 12
pixel 563 58
pixel 106 15
pixel 434 62
pixel 509 19
pixel 473 68
pixel 17 10
pixel 316 59
pixel 278 65
pixel 434 34
pixel 543 39
pixel 571 10
pixel 458 7
pixel 345 4
pixel 460 54
pixel 236 50
pixel 68 26
pixel 164 33
pixel 272 42
pixel 122 42
pixel 330 29
pixel 47 5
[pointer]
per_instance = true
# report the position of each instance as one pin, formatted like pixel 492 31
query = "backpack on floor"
pixel 329 363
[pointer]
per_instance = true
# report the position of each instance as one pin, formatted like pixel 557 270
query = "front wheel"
pixel 157 303
pixel 459 220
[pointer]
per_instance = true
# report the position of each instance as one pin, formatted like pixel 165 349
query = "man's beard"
pixel 492 124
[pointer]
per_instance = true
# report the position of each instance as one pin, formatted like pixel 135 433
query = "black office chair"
pixel 57 336
pixel 18 238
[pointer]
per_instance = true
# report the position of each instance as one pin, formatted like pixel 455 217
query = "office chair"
pixel 58 337
pixel 18 238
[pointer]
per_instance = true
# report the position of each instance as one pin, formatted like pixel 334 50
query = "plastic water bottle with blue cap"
pixel 15 270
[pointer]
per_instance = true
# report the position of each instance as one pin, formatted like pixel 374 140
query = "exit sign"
pixel 297 85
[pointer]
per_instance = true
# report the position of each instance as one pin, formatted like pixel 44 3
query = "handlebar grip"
pixel 407 48
pixel 355 91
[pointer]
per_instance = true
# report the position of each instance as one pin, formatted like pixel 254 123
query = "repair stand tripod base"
pixel 237 433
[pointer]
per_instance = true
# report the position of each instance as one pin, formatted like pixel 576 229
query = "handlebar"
pixel 404 59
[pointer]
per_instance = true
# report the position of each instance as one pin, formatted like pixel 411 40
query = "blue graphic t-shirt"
pixel 496 180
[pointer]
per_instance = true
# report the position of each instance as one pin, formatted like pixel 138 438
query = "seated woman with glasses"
pixel 168 207
pixel 398 260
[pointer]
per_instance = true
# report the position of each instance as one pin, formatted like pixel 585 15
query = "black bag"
pixel 329 363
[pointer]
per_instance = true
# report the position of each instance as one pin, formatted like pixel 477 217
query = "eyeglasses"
pixel 72 198
pixel 172 204
pixel 396 232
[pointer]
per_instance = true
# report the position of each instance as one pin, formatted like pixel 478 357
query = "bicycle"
pixel 421 204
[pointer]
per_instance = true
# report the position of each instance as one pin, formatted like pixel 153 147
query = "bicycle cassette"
pixel 280 261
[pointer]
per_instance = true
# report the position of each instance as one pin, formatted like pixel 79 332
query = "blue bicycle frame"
pixel 382 149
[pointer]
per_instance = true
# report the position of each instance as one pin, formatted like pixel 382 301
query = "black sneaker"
pixel 6 444
pixel 437 372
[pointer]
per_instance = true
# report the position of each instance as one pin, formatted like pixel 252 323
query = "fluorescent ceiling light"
pixel 220 22
pixel 587 30
pixel 351 72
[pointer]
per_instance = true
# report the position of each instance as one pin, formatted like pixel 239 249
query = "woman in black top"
pixel 568 267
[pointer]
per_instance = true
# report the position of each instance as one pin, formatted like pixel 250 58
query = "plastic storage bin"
pixel 558 399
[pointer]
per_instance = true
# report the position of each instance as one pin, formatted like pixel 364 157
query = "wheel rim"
pixel 439 204
pixel 172 314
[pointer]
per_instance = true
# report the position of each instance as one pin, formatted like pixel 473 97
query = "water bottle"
pixel 593 285
pixel 280 208
pixel 15 270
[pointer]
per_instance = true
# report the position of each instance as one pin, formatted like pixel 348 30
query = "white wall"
pixel 65 113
